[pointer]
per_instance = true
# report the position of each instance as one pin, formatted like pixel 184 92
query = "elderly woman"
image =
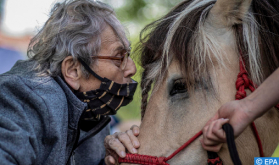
pixel 54 106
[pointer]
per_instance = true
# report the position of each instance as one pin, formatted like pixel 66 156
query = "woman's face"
pixel 111 45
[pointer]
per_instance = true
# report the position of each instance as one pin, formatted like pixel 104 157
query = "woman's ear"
pixel 71 72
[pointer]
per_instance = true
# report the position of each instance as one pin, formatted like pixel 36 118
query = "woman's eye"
pixel 118 55
pixel 117 62
pixel 178 87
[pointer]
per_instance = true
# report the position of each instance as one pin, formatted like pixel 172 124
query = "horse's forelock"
pixel 188 44
pixel 181 35
pixel 170 38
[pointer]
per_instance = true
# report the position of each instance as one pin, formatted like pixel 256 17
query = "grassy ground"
pixel 276 152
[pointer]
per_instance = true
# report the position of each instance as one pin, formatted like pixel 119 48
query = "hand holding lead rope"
pixel 231 143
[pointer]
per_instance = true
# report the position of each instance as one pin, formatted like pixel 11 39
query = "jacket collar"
pixel 75 106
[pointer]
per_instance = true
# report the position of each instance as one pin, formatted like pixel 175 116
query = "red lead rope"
pixel 242 83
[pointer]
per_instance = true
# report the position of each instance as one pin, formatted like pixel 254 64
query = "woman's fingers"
pixel 133 138
pixel 135 130
pixel 117 144
pixel 109 160
pixel 112 143
pixel 124 138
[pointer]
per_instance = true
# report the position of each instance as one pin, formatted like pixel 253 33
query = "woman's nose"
pixel 130 68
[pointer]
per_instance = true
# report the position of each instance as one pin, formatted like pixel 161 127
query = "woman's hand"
pixel 117 144
pixel 236 113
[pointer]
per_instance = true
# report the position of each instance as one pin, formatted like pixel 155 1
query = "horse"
pixel 190 59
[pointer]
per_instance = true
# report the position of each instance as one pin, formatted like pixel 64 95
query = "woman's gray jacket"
pixel 39 118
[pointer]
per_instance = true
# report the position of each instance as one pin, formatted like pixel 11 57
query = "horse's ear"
pixel 229 12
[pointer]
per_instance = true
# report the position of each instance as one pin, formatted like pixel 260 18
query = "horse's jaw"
pixel 194 154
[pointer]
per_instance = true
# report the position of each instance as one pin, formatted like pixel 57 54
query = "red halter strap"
pixel 153 160
pixel 215 161
pixel 242 83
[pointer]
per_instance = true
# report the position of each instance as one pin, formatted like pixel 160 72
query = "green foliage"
pixel 1 9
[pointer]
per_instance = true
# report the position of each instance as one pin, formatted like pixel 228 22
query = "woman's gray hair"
pixel 73 29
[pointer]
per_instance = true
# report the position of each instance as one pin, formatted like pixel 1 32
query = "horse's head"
pixel 191 56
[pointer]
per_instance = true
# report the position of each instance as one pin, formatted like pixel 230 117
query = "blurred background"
pixel 21 19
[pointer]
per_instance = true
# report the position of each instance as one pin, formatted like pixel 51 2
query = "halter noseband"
pixel 242 83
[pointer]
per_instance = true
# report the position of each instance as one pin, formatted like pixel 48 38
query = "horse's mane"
pixel 180 35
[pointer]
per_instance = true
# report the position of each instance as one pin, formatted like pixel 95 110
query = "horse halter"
pixel 242 83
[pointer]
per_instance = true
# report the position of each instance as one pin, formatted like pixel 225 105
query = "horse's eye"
pixel 179 86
